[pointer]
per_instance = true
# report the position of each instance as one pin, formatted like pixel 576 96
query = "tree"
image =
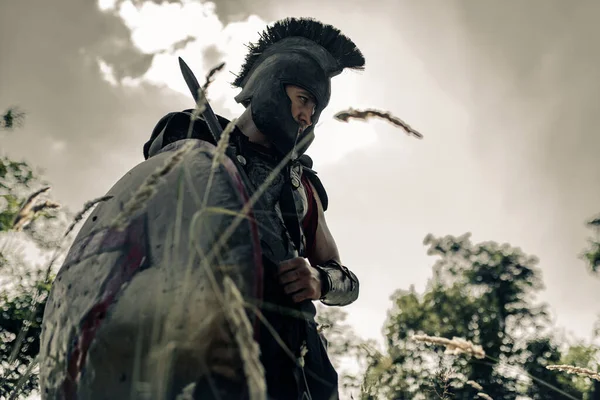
pixel 13 117
pixel 344 346
pixel 543 352
pixel 481 293
pixel 29 223
pixel 592 254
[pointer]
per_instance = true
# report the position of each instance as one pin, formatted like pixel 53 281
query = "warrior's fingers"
pixel 289 277
pixel 295 287
pixel 289 265
pixel 304 294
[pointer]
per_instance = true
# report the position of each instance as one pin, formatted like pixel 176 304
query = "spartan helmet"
pixel 301 52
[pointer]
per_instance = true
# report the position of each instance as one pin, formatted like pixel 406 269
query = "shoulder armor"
pixel 175 126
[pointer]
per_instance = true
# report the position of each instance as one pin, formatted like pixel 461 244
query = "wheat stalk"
pixel 570 369
pixel 249 350
pixel 364 115
pixel 455 346
pixel 30 209
pixel 475 385
pixel 86 207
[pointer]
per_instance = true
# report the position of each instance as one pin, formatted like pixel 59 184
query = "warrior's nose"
pixel 305 120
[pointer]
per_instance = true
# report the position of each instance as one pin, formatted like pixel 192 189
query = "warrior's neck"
pixel 246 125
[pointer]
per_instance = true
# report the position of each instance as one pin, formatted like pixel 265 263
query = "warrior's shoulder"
pixel 311 174
pixel 180 121
pixel 178 125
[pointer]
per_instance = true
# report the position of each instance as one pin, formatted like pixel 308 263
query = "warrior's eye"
pixel 304 99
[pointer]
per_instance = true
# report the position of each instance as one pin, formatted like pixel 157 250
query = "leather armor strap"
pixel 288 206
pixel 289 211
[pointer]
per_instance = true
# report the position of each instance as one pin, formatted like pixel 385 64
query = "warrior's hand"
pixel 300 280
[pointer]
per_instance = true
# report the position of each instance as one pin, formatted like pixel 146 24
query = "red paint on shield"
pixel 126 266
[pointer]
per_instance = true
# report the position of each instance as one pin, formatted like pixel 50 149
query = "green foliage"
pixel 580 355
pixel 482 293
pixel 592 253
pixel 23 287
pixel 11 118
pixel 15 315
pixel 344 344
pixel 14 177
pixel 541 353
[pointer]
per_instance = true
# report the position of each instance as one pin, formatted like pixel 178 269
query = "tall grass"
pixel 231 308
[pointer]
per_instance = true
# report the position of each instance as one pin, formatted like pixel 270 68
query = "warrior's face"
pixel 303 105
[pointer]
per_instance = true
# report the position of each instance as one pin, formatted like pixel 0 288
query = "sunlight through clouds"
pixel 107 72
pixel 156 27
pixel 189 29
pixel 334 139
pixel 107 5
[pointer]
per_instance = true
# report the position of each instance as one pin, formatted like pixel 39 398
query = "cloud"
pixel 192 30
pixel 107 5
pixel 107 73
pixel 157 27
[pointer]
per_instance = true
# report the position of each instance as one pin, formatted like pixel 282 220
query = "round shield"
pixel 158 285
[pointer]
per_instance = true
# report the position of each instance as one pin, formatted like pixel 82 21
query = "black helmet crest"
pixel 342 48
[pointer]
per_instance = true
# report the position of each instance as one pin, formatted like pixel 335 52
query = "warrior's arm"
pixel 340 285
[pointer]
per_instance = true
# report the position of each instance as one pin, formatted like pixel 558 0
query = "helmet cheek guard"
pixel 271 106
pixel 301 52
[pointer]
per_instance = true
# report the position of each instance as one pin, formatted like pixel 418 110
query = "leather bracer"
pixel 340 285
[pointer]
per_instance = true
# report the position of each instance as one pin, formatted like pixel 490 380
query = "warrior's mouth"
pixel 302 127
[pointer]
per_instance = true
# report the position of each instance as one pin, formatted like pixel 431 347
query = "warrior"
pixel 284 255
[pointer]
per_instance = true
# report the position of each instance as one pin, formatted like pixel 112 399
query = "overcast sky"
pixel 507 95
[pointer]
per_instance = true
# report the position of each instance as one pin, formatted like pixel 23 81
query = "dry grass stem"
pixel 364 115
pixel 30 209
pixel 222 145
pixel 199 108
pixel 303 352
pixel 222 240
pixel 37 295
pixel 86 207
pixel 444 376
pixel 254 309
pixel 187 393
pixel 475 385
pixel 249 350
pixel 570 369
pixel 149 188
pixel 455 346
pixel 211 74
pixel 24 377
pixel 484 396
pixel 218 158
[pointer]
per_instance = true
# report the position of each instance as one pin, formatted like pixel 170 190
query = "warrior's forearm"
pixel 340 285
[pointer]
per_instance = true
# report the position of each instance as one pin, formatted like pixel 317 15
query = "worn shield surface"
pixel 135 313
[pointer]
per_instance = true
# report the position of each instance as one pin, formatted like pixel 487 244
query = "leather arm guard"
pixel 340 285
